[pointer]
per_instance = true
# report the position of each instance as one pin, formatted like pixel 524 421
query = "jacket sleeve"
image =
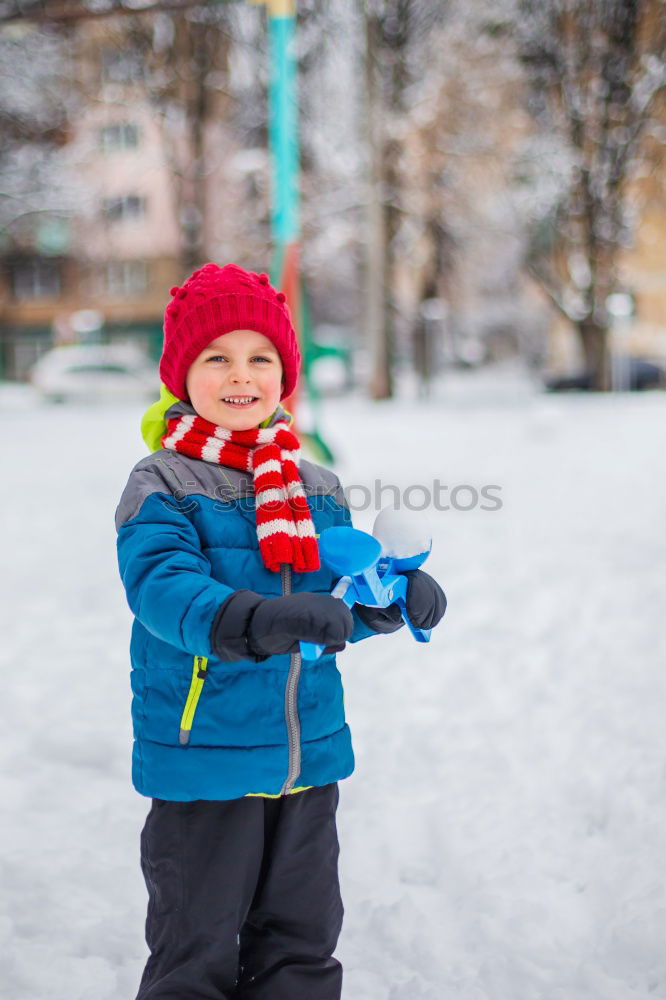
pixel 344 519
pixel 167 577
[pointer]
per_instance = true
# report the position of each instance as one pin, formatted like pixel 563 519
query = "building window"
pixel 121 65
pixel 123 207
pixel 122 135
pixel 35 278
pixel 126 277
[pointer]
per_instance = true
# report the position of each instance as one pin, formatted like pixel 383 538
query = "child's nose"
pixel 239 372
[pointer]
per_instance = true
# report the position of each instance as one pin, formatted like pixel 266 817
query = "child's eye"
pixel 222 357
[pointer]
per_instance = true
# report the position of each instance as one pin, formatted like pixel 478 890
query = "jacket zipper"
pixel 199 674
pixel 291 701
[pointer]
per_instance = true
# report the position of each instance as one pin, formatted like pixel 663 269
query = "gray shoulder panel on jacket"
pixel 151 475
pixel 180 476
pixel 320 481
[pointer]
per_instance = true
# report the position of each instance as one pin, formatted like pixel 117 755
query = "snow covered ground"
pixel 503 835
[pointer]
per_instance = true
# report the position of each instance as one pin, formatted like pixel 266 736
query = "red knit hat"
pixel 216 300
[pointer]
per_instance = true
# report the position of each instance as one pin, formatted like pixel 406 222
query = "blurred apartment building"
pixel 104 271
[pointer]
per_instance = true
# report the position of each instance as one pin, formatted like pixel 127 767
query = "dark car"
pixel 632 374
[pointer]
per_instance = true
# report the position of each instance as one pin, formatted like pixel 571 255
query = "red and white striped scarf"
pixel 284 524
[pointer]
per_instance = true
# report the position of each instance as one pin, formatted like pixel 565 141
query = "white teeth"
pixel 239 399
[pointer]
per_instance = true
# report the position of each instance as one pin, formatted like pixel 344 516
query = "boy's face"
pixel 236 381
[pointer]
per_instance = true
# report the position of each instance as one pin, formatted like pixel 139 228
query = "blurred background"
pixel 477 181
pixel 464 202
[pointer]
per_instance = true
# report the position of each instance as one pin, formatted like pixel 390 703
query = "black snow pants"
pixel 244 900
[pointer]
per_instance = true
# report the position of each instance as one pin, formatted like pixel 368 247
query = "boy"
pixel 239 744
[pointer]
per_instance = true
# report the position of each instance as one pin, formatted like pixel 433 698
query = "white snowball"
pixel 403 532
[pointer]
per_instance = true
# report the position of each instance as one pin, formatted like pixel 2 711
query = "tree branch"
pixel 546 286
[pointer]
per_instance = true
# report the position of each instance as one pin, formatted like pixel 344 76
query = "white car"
pixel 96 372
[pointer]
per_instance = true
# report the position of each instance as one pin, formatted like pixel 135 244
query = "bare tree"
pixel 597 70
pixel 36 100
pixel 395 32
pixel 185 57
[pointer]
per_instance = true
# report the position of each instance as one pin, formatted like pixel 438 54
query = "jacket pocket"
pixel 199 674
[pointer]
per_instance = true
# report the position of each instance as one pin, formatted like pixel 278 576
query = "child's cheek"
pixel 210 382
pixel 272 381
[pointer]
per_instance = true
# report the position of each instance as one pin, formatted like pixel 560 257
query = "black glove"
pixel 426 604
pixel 250 627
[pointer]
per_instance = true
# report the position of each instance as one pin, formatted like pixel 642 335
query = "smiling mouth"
pixel 239 401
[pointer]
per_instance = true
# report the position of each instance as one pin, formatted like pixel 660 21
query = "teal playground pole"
pixel 285 213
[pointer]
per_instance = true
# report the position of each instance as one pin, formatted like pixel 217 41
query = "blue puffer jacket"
pixel 205 728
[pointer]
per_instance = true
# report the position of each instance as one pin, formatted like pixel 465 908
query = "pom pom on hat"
pixel 216 300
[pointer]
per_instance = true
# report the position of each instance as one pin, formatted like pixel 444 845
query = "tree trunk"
pixel 196 105
pixel 594 339
pixel 381 386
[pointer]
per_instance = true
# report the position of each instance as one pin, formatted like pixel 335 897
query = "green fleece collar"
pixel 153 422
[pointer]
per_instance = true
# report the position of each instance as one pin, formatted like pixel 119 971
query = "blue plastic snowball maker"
pixel 366 576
